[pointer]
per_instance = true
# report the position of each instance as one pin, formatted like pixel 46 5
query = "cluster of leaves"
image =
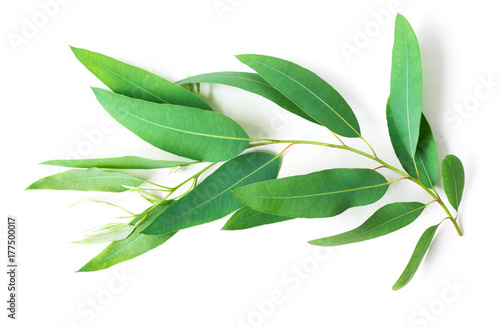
pixel 173 117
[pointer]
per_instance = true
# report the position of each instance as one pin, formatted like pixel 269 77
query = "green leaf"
pixel 86 180
pixel 135 82
pixel 114 234
pixel 246 217
pixel 385 220
pixel 418 254
pixel 252 83
pixel 426 156
pixel 320 194
pixel 130 247
pixel 406 84
pixel 128 162
pixel 212 198
pixel 453 179
pixel 189 132
pixel 308 91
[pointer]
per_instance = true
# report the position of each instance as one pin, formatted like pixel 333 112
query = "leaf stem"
pixel 374 157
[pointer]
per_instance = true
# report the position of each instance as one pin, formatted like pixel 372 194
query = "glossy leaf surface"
pixel 92 179
pixel 418 255
pixel 250 82
pixel 320 194
pixel 135 82
pixel 189 132
pixel 406 84
pixel 385 220
pixel 308 91
pixel 212 198
pixel 453 179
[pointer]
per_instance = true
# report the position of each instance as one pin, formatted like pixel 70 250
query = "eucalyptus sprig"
pixel 174 117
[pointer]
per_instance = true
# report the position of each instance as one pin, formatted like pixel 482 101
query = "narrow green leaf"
pixel 385 220
pixel 406 84
pixel 426 156
pixel 132 246
pixel 111 235
pixel 308 91
pixel 92 179
pixel 128 162
pixel 320 194
pixel 135 82
pixel 189 132
pixel 418 254
pixel 453 179
pixel 246 217
pixel 252 83
pixel 212 198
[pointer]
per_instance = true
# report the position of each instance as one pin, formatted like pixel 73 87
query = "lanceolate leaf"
pixel 189 132
pixel 406 84
pixel 136 82
pixel 246 217
pixel 320 194
pixel 252 83
pixel 92 179
pixel 453 179
pixel 212 198
pixel 308 91
pixel 132 246
pixel 128 162
pixel 426 157
pixel 418 254
pixel 385 220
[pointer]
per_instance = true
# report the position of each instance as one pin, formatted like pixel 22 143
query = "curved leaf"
pixel 418 254
pixel 246 217
pixel 320 194
pixel 406 84
pixel 252 83
pixel 188 132
pixel 426 156
pixel 132 246
pixel 135 82
pixel 385 220
pixel 128 162
pixel 308 91
pixel 453 179
pixel 212 198
pixel 86 180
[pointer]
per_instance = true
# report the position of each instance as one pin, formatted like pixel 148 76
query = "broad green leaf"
pixel 92 179
pixel 308 91
pixel 135 82
pixel 252 83
pixel 385 220
pixel 406 84
pixel 212 198
pixel 453 179
pixel 426 156
pixel 132 246
pixel 320 194
pixel 128 162
pixel 246 217
pixel 418 254
pixel 113 234
pixel 189 132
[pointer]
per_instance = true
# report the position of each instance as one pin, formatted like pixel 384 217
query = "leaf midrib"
pixel 319 194
pixel 220 194
pixel 314 94
pixel 122 77
pixel 180 130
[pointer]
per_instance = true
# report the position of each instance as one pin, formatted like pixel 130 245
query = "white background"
pixel 207 277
